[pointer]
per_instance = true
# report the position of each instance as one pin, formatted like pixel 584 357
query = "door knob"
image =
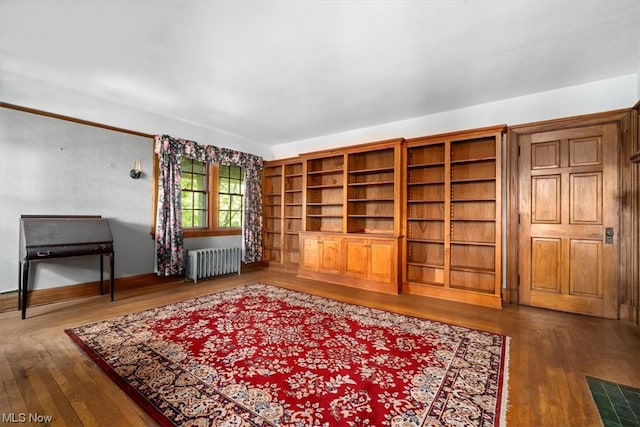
pixel 608 235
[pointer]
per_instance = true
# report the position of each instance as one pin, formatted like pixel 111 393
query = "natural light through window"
pixel 212 196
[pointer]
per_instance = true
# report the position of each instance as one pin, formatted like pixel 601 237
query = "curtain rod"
pixel 74 120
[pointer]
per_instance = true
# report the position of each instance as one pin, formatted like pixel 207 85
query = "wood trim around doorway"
pixel 629 280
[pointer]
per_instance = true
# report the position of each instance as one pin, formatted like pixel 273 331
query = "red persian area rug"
pixel 260 355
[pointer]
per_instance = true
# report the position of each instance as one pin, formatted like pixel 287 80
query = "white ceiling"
pixel 281 71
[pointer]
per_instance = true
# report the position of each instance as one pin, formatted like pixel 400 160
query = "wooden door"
pixel 568 229
pixel 381 261
pixel 330 254
pixel 310 246
pixel 356 257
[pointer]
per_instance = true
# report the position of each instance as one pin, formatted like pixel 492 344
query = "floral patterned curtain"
pixel 169 237
pixel 169 234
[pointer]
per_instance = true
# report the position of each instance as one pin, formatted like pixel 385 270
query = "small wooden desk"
pixel 56 236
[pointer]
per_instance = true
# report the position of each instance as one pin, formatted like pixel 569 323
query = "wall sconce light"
pixel 136 172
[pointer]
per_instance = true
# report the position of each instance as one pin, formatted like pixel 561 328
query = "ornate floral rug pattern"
pixel 260 355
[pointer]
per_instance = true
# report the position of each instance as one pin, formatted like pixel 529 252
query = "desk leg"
pixel 19 285
pixel 25 288
pixel 112 284
pixel 101 275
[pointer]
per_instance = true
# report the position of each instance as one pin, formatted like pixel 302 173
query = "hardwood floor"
pixel 43 372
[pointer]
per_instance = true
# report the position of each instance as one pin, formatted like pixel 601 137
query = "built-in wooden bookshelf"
pixel 425 218
pixel 324 193
pixel 370 192
pixel 282 212
pixel 427 210
pixel 453 217
pixel 292 223
pixel 352 211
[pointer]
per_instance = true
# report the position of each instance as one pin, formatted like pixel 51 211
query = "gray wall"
pixel 52 166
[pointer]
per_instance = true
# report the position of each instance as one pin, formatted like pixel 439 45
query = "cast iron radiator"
pixel 210 262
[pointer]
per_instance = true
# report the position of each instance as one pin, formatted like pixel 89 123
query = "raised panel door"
pixel 568 200
pixel 381 261
pixel 330 255
pixel 310 257
pixel 356 257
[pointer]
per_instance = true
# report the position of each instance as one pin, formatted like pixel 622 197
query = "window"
pixel 230 183
pixel 211 198
pixel 194 194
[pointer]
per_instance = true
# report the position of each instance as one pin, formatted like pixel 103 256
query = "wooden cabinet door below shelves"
pixel 356 258
pixel 381 261
pixel 330 257
pixel 321 254
pixel 310 259
pixel 369 259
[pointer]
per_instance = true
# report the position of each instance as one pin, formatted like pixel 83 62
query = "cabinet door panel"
pixel 310 253
pixel 330 258
pixel 356 258
pixel 381 261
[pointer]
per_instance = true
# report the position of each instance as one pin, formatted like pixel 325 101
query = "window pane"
pixel 236 203
pixel 234 187
pixel 186 164
pixel 198 182
pixel 187 219
pixel 223 219
pixel 224 202
pixel 185 181
pixel 199 167
pixel 199 219
pixel 223 171
pixel 194 203
pixel 199 201
pixel 187 200
pixel 224 185
pixel 236 219
pixel 236 172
